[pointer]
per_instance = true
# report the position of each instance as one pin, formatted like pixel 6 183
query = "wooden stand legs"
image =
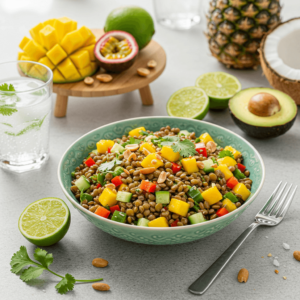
pixel 61 105
pixel 146 95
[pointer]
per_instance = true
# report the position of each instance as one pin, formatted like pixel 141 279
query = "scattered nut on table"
pixel 104 77
pixel 243 275
pixel 143 72
pixel 99 286
pixel 99 262
pixel 88 80
pixel 151 64
pixel 296 255
pixel 276 271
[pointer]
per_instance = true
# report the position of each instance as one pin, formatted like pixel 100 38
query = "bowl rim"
pixel 178 228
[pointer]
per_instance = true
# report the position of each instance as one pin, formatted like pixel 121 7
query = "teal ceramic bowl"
pixel 149 235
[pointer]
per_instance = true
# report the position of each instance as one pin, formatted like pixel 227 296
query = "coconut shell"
pixel 277 81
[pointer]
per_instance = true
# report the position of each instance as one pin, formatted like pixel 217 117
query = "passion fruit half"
pixel 116 51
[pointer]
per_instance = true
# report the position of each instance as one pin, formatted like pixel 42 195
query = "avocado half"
pixel 258 126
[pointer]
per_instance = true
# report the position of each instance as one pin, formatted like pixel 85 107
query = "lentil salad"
pixel 161 179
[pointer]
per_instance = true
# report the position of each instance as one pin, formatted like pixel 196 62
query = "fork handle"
pixel 208 277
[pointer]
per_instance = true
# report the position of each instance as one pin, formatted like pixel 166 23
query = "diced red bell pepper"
pixel 148 186
pixel 108 149
pixel 89 162
pixel 222 212
pixel 241 167
pixel 115 207
pixel 200 148
pixel 174 224
pixel 232 182
pixel 117 181
pixel 98 185
pixel 102 212
pixel 175 167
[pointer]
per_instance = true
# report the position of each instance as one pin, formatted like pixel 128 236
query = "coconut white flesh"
pixel 282 49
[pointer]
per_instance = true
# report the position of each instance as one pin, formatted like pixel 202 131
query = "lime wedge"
pixel 188 102
pixel 45 221
pixel 219 87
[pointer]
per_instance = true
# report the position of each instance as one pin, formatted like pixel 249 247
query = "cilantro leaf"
pixel 225 153
pixel 142 132
pixel 131 141
pixel 7 88
pixel 66 284
pixel 185 148
pixel 8 109
pixel 42 256
pixel 169 140
pixel 20 260
pixel 109 165
pixel 32 273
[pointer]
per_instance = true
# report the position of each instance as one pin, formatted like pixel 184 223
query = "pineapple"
pixel 236 27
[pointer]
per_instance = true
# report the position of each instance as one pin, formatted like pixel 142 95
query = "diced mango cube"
pixel 108 197
pixel 24 42
pixel 24 66
pixel 179 207
pixel 50 22
pixel 224 169
pixel 47 62
pixel 91 40
pixel 34 72
pixel 147 146
pixel 241 189
pixel 56 54
pixel 74 25
pixel 136 131
pixel 85 33
pixel 72 41
pixel 49 37
pixel 68 69
pixel 151 160
pixel 159 222
pixel 57 76
pixel 230 206
pixel 122 186
pixel 90 49
pixel 227 160
pixel 75 77
pixel 63 26
pixel 80 58
pixel 20 54
pixel 190 165
pixel 86 71
pixel 168 153
pixel 235 153
pixel 35 32
pixel 102 145
pixel 205 138
pixel 34 50
pixel 212 195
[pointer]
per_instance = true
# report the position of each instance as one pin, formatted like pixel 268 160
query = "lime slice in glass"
pixel 45 221
pixel 219 87
pixel 188 102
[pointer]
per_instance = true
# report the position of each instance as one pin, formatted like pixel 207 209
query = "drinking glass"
pixel 25 110
pixel 177 14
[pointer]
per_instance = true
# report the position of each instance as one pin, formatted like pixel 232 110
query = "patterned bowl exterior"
pixel 159 236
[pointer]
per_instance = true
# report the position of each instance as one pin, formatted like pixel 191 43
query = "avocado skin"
pixel 261 132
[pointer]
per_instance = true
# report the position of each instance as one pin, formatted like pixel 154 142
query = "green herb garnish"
pixel 21 259
pixel 225 153
pixel 197 140
pixel 109 165
pixel 131 141
pixel 7 109
pixel 185 147
pixel 142 132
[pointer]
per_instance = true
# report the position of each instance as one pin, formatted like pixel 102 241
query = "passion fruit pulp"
pixel 116 51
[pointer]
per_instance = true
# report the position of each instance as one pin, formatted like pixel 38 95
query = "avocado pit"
pixel 264 105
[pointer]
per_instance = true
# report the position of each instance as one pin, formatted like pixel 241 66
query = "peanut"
pixel 296 255
pixel 158 157
pixel 132 147
pixel 110 186
pixel 162 177
pixel 145 151
pixel 153 161
pixel 126 153
pixel 143 72
pixel 200 165
pixel 151 64
pixel 104 77
pixel 276 271
pixel 88 80
pixel 211 146
pixel 99 263
pixel 243 275
pixel 147 170
pixel 132 156
pixel 99 286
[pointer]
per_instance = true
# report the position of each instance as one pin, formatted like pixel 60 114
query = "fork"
pixel 271 214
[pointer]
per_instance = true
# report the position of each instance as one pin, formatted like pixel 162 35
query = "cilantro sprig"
pixel 7 109
pixel 131 141
pixel 185 147
pixel 106 167
pixel 21 259
pixel 225 153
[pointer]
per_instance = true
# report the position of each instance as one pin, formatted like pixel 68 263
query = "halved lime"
pixel 219 87
pixel 188 102
pixel 45 221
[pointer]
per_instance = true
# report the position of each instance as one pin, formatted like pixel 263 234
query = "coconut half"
pixel 280 57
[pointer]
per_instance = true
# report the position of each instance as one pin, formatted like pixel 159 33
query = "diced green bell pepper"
pixel 119 216
pixel 231 197
pixel 101 178
pixel 238 174
pixel 195 194
pixel 84 196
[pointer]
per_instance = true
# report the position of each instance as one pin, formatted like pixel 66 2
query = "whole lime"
pixel 132 19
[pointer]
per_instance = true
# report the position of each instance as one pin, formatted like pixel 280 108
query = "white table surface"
pixel 142 271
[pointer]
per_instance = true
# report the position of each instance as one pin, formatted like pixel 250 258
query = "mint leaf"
pixel 7 109
pixel 20 260
pixel 225 153
pixel 185 148
pixel 31 273
pixel 42 256
pixel 66 284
